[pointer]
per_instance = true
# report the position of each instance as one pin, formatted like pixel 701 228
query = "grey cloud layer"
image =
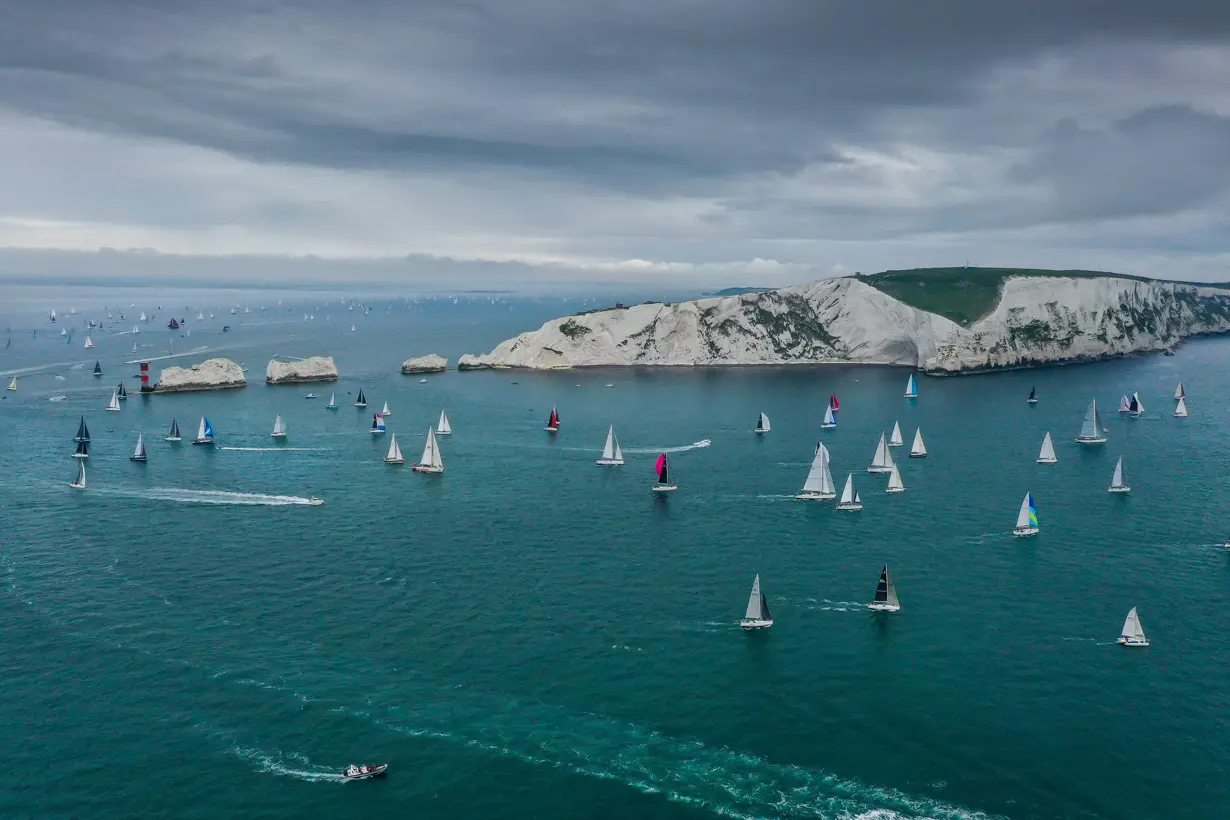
pixel 765 124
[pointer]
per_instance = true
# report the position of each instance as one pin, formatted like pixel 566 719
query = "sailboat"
pixel 377 424
pixel 138 454
pixel 143 319
pixel 612 456
pixel 894 482
pixel 89 343
pixel 1180 409
pixel 830 420
pixel 200 316
pixel 1047 454
pixel 386 411
pixel 1091 428
pixel 1125 404
pixel 1116 481
pixel 762 424
pixel 1179 393
pixel 1136 407
pixel 83 432
pixel 1133 633
pixel 819 484
pixel 431 461
pixel 135 330
pixel 83 449
pixel 911 388
pixel 849 498
pixel 114 406
pixel 205 433
pixel 394 456
pixel 121 391
pixel 352 329
pixel 13 384
pixel 361 401
pixel 1027 518
pixel 279 429
pixel 174 434
pixel 332 405
pixel 552 421
pixel 79 482
pixel 886 594
pixel 918 449
pixel 757 615
pixel 882 462
pixel 895 439
pixel 663 469
pixel 1033 396
pixel 444 428
pixel 98 370
pixel 834 405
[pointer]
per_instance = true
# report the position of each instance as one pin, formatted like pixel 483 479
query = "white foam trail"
pixel 192 352
pixel 208 496
pixel 276 449
pixel 696 445
pixel 273 765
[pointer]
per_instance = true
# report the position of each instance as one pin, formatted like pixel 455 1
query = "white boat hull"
pixel 204 441
pixel 1031 401
pixel 174 438
pixel 609 462
pixel 879 469
pixel 427 468
pixel 277 435
pixel 1024 531
pixel 828 426
pixel 1176 415
pixel 394 461
pixel 77 486
pixel 895 490
pixel 850 507
pixel 808 496
pixel 80 455
pixel 551 429
pixel 1119 489
pixel 1132 642
pixel 1091 441
pixel 880 606
pixel 756 623
pixel 918 455
pixel 444 433
pixel 664 488
pixel 760 432
pixel 1048 461
pixel 137 458
pixel 113 409
pixel 378 432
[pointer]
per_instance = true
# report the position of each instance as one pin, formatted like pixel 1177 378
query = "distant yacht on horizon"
pixel 1033 396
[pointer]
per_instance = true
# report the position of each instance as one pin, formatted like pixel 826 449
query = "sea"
pixel 530 635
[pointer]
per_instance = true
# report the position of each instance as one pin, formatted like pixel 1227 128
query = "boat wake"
pixel 696 445
pixel 209 497
pixel 276 449
pixel 837 606
pixel 299 767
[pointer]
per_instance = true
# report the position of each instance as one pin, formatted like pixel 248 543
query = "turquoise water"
pixel 530 635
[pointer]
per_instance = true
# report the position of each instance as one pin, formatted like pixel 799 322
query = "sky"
pixel 720 141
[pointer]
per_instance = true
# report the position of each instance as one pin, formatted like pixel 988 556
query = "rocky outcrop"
pixel 211 374
pixel 1038 320
pixel 313 369
pixel 424 364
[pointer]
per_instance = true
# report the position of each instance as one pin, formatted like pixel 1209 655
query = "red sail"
pixel 661 465
pixel 554 420
pixel 833 402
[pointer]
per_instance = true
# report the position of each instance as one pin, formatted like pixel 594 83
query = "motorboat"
pixel 316 501
pixel 353 772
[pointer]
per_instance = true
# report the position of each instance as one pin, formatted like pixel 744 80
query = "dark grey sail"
pixel 83 432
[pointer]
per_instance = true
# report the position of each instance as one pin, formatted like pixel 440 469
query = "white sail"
pixel 882 462
pixel 394 456
pixel 755 611
pixel 443 428
pixel 431 452
pixel 894 481
pixel 611 454
pixel 819 482
pixel 1047 454
pixel 891 598
pixel 200 433
pixel 386 411
pixel 918 449
pixel 1116 481
pixel 849 498
pixel 1023 518
pixel 1133 632
pixel 829 419
pixel 911 388
pixel 762 424
pixel 1180 409
pixel 1179 393
pixel 1091 428
pixel 895 439
pixel 139 452
pixel 279 429
pixel 79 483
pixel 88 342
pixel 143 319
pixel 13 384
pixel 115 402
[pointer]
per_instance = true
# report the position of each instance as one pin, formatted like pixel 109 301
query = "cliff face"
pixel 313 369
pixel 430 363
pixel 211 374
pixel 1038 320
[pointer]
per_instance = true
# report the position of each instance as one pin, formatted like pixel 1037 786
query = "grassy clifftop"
pixel 963 295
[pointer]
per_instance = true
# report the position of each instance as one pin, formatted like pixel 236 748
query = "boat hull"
pixel 664 488
pixel 138 459
pixel 277 435
pixel 1021 532
pixel 918 455
pixel 1091 441
pixel 1180 415
pixel 1048 461
pixel 879 606
pixel 879 469
pixel 81 455
pixel 174 438
pixel 113 409
pixel 203 442
pixel 809 496
pixel 77 486
pixel 378 432
pixel 850 507
pixel 1031 401
pixel 551 429
pixel 378 771
pixel 1119 489
pixel 756 623
pixel 609 462
pixel 426 468
pixel 827 426
pixel 895 490
pixel 443 433
pixel 1134 642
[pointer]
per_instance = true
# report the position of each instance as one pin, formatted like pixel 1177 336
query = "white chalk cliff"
pixel 312 369
pixel 431 363
pixel 1038 320
pixel 211 374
